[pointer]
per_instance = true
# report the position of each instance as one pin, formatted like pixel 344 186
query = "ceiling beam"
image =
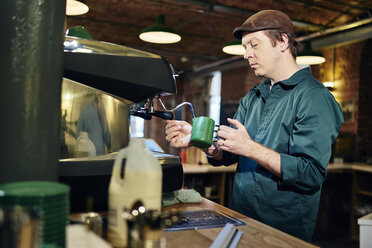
pixel 243 12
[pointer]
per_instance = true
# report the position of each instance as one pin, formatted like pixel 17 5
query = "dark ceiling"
pixel 205 26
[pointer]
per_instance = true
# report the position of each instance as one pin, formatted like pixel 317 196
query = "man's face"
pixel 260 53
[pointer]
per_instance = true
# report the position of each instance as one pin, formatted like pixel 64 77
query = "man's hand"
pixel 239 142
pixel 178 133
pixel 236 141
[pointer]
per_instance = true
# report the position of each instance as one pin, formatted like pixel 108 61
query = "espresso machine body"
pixel 101 82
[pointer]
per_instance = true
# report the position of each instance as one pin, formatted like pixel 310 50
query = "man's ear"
pixel 284 45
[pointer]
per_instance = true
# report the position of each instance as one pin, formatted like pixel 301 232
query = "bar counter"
pixel 255 234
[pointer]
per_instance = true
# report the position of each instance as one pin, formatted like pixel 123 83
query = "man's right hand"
pixel 178 133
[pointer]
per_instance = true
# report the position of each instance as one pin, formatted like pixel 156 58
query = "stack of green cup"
pixel 50 198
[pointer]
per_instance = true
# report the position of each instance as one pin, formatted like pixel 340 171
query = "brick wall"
pixel 350 67
pixel 365 102
pixel 237 82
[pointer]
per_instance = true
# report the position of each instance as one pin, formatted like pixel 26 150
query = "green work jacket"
pixel 300 119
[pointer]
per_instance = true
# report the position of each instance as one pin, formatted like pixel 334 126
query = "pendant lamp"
pixel 160 33
pixel 329 85
pixel 234 48
pixel 309 57
pixel 75 7
pixel 80 32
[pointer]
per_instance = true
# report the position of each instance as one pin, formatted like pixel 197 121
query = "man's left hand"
pixel 234 140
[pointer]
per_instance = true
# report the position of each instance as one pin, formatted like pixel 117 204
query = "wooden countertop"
pixel 362 167
pixel 350 166
pixel 255 234
pixel 207 168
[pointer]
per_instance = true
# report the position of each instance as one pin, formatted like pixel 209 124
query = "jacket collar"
pixel 297 77
pixel 264 87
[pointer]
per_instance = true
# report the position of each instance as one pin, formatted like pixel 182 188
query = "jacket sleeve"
pixel 317 123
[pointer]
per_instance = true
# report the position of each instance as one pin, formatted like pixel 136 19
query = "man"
pixel 281 135
pixel 92 119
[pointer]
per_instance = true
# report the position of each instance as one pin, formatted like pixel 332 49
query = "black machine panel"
pixel 89 180
pixel 121 71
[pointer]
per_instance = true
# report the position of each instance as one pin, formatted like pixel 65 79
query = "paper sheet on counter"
pixel 77 236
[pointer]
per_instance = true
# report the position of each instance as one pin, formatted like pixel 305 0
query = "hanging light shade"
pixel 159 33
pixel 309 57
pixel 74 7
pixel 329 85
pixel 80 32
pixel 234 48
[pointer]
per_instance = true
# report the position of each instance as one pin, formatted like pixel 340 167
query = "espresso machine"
pixel 103 85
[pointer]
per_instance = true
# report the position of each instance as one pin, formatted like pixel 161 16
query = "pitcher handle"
pixel 118 163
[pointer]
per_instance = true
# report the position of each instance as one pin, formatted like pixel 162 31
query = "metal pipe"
pixel 335 29
pixel 31 75
pixel 179 106
pixel 243 12
pixel 223 63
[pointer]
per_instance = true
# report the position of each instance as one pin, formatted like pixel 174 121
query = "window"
pixel 215 97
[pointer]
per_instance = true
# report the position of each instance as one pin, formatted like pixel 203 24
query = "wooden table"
pixel 207 168
pixel 216 176
pixel 255 234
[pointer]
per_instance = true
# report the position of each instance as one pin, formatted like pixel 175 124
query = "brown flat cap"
pixel 264 20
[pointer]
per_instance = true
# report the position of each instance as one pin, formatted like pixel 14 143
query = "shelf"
pixel 213 197
pixel 199 177
pixel 206 168
pixel 364 192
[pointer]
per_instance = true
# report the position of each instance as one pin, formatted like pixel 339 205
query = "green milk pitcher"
pixel 202 132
